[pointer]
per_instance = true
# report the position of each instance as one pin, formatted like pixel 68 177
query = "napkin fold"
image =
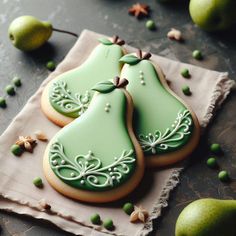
pixel 18 194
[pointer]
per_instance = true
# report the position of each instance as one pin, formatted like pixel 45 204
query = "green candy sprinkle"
pixel 16 150
pixel 16 81
pixel 95 219
pixel 10 90
pixel 197 54
pixel 215 148
pixel 223 176
pixel 186 90
pixel 185 73
pixel 211 162
pixel 38 182
pixel 108 224
pixel 3 103
pixel 51 65
pixel 128 208
pixel 150 24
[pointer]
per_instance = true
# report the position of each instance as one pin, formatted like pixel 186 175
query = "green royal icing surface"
pixel 95 152
pixel 161 122
pixel 70 93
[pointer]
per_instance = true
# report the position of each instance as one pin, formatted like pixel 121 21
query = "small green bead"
pixel 186 90
pixel 10 90
pixel 38 182
pixel 108 224
pixel 16 81
pixel 16 150
pixel 3 103
pixel 150 24
pixel 51 65
pixel 197 54
pixel 95 219
pixel 211 162
pixel 215 148
pixel 185 73
pixel 128 208
pixel 223 176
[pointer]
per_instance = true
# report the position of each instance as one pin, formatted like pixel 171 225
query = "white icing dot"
pixel 106 109
pixel 63 162
pixel 173 125
pixel 108 105
pixel 113 177
pixel 156 135
pixel 86 163
pixel 146 136
pixel 152 145
pixel 95 181
pixel 109 169
pixel 54 162
pixel 82 182
pixel 68 91
pixel 90 152
pixel 141 77
pixel 111 173
pixel 80 162
pixel 66 96
pixel 149 134
pixel 72 174
pixel 115 169
pixel 115 158
pixel 142 82
pixel 141 72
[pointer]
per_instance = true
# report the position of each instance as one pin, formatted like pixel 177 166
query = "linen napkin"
pixel 18 194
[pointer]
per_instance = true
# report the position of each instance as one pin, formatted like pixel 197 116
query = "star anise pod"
pixel 26 142
pixel 139 10
pixel 139 213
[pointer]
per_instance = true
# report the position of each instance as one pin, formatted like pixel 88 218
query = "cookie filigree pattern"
pixel 88 169
pixel 169 139
pixel 69 103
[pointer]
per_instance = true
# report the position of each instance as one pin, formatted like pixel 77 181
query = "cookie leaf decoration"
pixel 86 161
pixel 166 127
pixel 68 96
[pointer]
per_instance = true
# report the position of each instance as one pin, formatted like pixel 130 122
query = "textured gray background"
pixel 110 17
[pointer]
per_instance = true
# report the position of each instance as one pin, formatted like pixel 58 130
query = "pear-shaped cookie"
pixel 68 96
pixel 167 129
pixel 97 158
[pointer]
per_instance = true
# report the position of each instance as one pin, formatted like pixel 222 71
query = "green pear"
pixel 27 33
pixel 97 154
pixel 70 93
pixel 212 15
pixel 207 217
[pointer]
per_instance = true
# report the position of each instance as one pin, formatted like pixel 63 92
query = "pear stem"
pixel 65 32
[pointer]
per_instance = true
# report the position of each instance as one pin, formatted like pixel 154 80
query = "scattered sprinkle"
pixel 150 24
pixel 95 219
pixel 215 148
pixel 197 55
pixel 211 162
pixel 26 142
pixel 10 90
pixel 51 65
pixel 38 182
pixel 223 176
pixel 139 10
pixel 108 224
pixel 185 73
pixel 41 136
pixel 174 34
pixel 128 208
pixel 3 103
pixel 16 81
pixel 186 90
pixel 16 150
pixel 139 214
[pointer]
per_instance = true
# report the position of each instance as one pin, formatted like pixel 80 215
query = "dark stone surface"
pixel 110 17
